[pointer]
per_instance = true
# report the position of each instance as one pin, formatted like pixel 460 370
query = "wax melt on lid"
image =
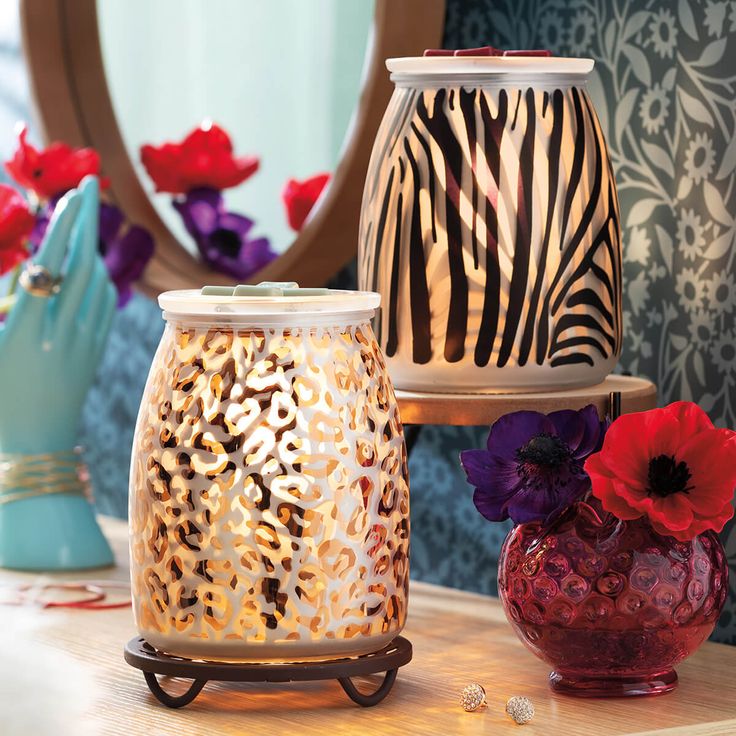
pixel 486 51
pixel 482 51
pixel 269 298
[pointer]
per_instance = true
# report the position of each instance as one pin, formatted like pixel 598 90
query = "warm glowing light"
pixel 269 497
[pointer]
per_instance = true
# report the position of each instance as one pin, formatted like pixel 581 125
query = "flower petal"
pixel 485 470
pixel 710 456
pixel 200 210
pixel 690 418
pixel 594 465
pixel 512 431
pixel 674 512
pixel 634 439
pixel 237 223
pixel 16 226
pixel 255 255
pixel 538 503
pixel 126 259
pixel 699 525
pixel 203 159
pixel 492 506
pixel 299 197
pixel 580 430
pixel 716 522
pixel 111 220
pixel 613 496
pixel 54 170
pixel 569 426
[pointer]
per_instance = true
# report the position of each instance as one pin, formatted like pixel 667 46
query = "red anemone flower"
pixel 203 160
pixel 52 171
pixel 16 224
pixel 671 465
pixel 300 196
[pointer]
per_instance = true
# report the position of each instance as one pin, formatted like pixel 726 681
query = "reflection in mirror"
pixel 282 78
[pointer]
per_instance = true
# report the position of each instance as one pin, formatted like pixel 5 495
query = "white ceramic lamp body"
pixel 490 227
pixel 269 505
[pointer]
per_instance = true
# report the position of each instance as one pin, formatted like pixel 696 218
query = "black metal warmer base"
pixel 141 655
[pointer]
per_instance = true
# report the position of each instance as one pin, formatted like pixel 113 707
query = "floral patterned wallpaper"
pixel 664 87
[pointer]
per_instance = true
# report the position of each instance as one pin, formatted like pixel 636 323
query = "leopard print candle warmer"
pixel 269 498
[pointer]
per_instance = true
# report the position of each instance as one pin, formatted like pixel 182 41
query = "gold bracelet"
pixel 30 475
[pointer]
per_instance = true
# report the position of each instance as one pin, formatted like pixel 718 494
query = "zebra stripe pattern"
pixel 491 227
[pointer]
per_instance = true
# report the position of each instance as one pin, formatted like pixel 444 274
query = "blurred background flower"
pixel 196 170
pixel 47 174
pixel 299 197
pixel 203 159
pixel 54 170
pixel 16 225
pixel 223 238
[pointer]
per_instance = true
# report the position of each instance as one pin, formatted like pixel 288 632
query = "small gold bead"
pixel 520 709
pixel 473 697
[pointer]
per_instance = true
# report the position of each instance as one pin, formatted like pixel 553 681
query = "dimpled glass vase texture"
pixel 269 508
pixel 490 226
pixel 612 605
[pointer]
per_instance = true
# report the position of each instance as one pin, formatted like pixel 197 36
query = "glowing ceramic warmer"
pixel 269 504
pixel 490 226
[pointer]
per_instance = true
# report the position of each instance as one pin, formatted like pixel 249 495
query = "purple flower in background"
pixel 223 237
pixel 126 251
pixel 533 465
pixel 43 217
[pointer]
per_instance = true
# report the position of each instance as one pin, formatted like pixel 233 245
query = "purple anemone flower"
pixel 43 217
pixel 223 238
pixel 126 251
pixel 532 468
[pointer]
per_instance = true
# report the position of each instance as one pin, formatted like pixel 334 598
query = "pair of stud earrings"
pixel 473 697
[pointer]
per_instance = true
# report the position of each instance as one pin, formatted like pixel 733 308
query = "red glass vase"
pixel 612 605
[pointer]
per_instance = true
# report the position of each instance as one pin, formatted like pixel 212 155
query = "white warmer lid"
pixel 267 301
pixel 497 66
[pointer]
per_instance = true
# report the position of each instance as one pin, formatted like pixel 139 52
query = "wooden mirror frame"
pixel 63 53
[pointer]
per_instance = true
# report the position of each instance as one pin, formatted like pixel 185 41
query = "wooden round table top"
pixel 637 394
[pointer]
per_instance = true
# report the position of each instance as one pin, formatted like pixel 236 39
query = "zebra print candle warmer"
pixel 490 226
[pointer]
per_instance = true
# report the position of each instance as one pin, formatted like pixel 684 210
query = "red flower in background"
pixel 669 464
pixel 299 198
pixel 16 223
pixel 54 170
pixel 204 159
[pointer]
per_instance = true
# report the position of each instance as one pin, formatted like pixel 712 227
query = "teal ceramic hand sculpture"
pixel 50 347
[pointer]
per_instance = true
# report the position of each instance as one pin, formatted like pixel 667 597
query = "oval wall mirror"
pixel 302 85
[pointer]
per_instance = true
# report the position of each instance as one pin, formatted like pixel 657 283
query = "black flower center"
pixel 544 450
pixel 667 476
pixel 728 352
pixel 226 241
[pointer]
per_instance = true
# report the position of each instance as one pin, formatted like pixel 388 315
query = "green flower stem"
pixel 6 303
pixel 14 280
